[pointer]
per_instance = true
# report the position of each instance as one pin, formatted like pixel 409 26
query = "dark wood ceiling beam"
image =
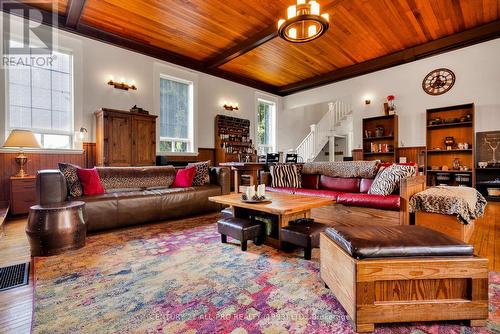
pixel 139 47
pixel 247 45
pixel 74 12
pixel 466 38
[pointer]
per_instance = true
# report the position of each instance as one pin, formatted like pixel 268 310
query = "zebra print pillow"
pixel 388 180
pixel 285 176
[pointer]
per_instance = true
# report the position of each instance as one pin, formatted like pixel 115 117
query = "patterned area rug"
pixel 178 278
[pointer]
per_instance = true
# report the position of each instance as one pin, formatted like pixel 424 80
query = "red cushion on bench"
pixel 390 202
pixel 320 193
pixel 339 184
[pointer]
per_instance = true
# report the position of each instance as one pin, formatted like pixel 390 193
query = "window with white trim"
pixel 266 126
pixel 176 115
pixel 40 99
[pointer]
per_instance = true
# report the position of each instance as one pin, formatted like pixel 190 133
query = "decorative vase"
pixel 449 142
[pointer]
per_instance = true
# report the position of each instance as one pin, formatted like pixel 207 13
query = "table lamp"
pixel 21 139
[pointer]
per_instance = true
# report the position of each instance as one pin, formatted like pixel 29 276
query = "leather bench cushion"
pixel 320 193
pixel 310 181
pixel 350 185
pixel 365 242
pixel 299 234
pixel 389 202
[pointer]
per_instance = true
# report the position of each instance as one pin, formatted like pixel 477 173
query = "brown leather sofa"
pixel 131 205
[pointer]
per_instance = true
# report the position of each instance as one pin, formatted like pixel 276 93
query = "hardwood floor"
pixel 16 304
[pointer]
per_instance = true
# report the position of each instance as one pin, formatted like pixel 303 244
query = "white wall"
pixel 95 61
pixel 294 124
pixel 477 71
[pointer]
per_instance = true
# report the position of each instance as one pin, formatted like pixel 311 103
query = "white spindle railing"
pixel 320 132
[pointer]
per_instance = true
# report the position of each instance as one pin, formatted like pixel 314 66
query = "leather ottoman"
pixel 240 229
pixel 303 233
pixel 383 274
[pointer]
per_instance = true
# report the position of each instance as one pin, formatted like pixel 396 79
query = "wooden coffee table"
pixel 285 207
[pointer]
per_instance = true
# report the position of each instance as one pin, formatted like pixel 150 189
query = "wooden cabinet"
pixel 380 138
pixel 450 145
pixel 125 139
pixel 22 194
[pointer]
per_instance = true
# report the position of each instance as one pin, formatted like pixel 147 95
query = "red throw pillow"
pixel 184 177
pixel 91 183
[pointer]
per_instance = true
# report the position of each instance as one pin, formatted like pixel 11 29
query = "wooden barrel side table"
pixel 56 228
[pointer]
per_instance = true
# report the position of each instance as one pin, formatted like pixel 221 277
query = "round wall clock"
pixel 438 81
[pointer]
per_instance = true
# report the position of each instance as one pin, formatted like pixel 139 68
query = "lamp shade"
pixel 21 139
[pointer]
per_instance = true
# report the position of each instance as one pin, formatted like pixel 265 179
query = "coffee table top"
pixel 281 203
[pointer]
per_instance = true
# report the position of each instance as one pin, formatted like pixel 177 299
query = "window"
pixel 40 99
pixel 266 111
pixel 176 115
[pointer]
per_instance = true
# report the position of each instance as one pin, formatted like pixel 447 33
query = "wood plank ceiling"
pixel 238 40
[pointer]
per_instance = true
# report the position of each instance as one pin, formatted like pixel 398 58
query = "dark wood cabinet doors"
pixel 125 139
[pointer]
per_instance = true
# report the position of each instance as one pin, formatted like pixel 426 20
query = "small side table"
pixel 53 229
pixel 22 194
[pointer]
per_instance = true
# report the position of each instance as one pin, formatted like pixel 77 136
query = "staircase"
pixel 321 132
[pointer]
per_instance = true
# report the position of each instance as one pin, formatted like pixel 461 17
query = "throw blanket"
pixel 467 203
pixel 365 169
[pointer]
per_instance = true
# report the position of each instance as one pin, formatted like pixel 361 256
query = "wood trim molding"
pixel 466 38
pixel 74 12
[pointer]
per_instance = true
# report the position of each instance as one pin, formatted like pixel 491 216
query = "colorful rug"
pixel 178 278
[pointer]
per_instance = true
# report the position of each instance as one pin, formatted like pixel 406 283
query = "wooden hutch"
pixel 450 145
pixel 232 140
pixel 124 138
pixel 380 138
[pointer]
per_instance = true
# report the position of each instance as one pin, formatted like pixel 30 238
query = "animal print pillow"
pixel 285 176
pixel 388 180
pixel 72 181
pixel 202 175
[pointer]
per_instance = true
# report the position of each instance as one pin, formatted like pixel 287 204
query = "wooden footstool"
pixel 383 274
pixel 240 229
pixel 303 233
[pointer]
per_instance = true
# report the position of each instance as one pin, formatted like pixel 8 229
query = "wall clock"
pixel 438 81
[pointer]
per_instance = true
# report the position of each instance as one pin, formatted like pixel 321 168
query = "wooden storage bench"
pixel 384 274
pixel 447 224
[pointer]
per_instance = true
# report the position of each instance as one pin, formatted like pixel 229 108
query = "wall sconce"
pixel 368 101
pixel 83 134
pixel 122 84
pixel 231 106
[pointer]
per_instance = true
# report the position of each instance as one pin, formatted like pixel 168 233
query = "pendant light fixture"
pixel 304 22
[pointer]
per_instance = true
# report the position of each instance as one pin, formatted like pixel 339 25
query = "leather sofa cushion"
pixel 364 185
pixel 339 184
pixel 376 241
pixel 281 190
pixel 134 207
pixel 320 193
pixel 310 181
pixel 389 202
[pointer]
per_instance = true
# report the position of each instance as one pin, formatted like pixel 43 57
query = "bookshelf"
pixel 380 138
pixel 232 140
pixel 450 163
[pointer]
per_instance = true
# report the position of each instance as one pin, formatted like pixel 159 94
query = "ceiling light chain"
pixel 304 22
